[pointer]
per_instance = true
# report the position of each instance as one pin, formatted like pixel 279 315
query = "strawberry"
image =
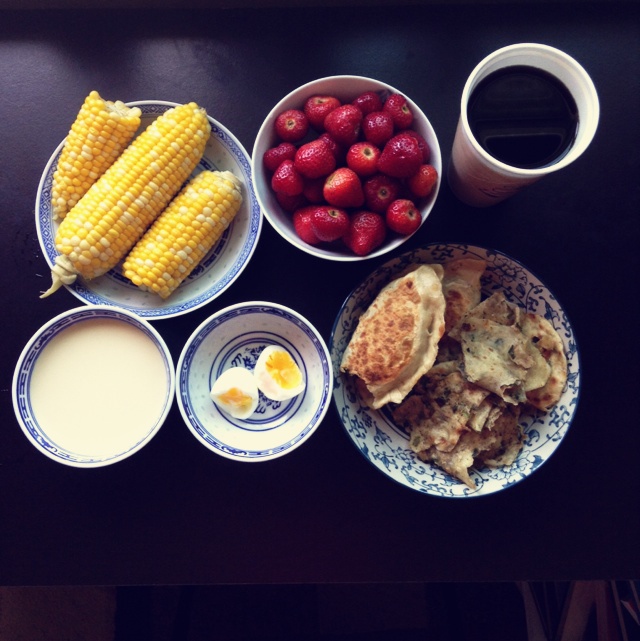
pixel 380 191
pixel 424 145
pixel 367 102
pixel 421 184
pixel 343 188
pixel 403 217
pixel 367 231
pixel 329 223
pixel 337 150
pixel 343 124
pixel 302 224
pixel 401 157
pixel 362 157
pixel 312 189
pixel 316 109
pixel 314 159
pixel 291 125
pixel 396 105
pixel 378 127
pixel 287 180
pixel 275 155
pixel 290 203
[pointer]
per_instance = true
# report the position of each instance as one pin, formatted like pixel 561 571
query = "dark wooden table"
pixel 177 514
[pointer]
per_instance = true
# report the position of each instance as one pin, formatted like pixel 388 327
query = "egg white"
pixel 266 382
pixel 246 390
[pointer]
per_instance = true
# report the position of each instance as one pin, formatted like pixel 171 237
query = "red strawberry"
pixel 314 159
pixel 424 145
pixel 302 224
pixel 312 189
pixel 397 106
pixel 366 232
pixel 378 127
pixel 343 188
pixel 274 156
pixel 316 109
pixel 343 124
pixel 291 125
pixel 362 157
pixel 403 217
pixel 401 157
pixel 421 184
pixel 337 150
pixel 329 223
pixel 380 191
pixel 367 102
pixel 287 180
pixel 290 203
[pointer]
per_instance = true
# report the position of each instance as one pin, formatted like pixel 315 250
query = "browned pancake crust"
pixel 387 337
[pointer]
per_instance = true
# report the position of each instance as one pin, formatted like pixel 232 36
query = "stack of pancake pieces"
pixel 455 371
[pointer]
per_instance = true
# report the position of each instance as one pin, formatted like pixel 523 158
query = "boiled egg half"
pixel 235 392
pixel 277 375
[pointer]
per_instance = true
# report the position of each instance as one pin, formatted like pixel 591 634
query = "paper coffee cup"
pixel 479 179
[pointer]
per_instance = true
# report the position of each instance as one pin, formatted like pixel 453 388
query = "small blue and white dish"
pixel 386 446
pixel 235 336
pixel 218 270
pixel 93 386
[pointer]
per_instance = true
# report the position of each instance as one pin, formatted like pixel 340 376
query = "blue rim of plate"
pixel 199 336
pixel 386 446
pixel 86 290
pixel 24 370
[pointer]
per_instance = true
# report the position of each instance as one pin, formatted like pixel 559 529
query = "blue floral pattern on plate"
pixel 218 270
pixel 386 446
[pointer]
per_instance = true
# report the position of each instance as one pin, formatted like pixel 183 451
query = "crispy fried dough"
pixel 461 288
pixel 544 338
pixel 396 340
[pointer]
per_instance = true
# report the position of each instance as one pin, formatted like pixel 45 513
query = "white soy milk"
pixel 98 387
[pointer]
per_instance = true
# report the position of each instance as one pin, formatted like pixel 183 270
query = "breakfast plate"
pixel 218 270
pixel 386 446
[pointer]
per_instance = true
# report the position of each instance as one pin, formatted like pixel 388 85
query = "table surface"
pixel 175 513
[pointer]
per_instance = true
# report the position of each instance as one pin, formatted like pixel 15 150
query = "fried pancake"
pixel 461 288
pixel 495 447
pixel 544 338
pixel 448 402
pixel 396 340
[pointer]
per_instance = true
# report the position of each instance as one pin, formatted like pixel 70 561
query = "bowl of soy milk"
pixel 93 386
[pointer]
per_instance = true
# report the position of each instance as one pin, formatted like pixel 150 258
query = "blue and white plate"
pixel 219 269
pixel 234 337
pixel 386 446
pixel 77 389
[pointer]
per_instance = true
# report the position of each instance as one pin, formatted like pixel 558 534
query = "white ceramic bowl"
pixel 386 446
pixel 93 386
pixel 235 336
pixel 218 270
pixel 345 88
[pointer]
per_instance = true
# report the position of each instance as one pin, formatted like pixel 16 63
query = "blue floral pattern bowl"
pixel 386 446
pixel 235 337
pixel 217 271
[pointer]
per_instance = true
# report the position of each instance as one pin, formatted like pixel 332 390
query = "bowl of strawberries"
pixel 346 168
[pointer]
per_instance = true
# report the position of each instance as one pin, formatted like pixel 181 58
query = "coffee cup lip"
pixel 560 64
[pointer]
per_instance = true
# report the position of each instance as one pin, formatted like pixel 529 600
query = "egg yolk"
pixel 283 370
pixel 235 397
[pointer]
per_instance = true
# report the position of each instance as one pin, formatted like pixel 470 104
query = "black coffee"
pixel 523 116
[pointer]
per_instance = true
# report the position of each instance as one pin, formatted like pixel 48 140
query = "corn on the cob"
pixel 101 131
pixel 184 233
pixel 112 216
